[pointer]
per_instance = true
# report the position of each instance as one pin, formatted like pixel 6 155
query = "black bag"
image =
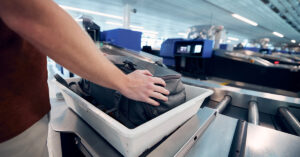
pixel 129 112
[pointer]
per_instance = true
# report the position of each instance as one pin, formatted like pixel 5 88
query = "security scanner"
pixel 168 50
pixel 265 51
pixel 241 67
pixel 190 56
pixel 228 47
pixel 120 37
pixel 232 120
pixel 187 56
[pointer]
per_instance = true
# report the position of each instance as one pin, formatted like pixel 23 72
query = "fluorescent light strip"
pixel 91 12
pixel 146 31
pixel 232 38
pixel 136 27
pixel 113 23
pixel 78 20
pixel 119 24
pixel 183 34
pixel 293 41
pixel 244 19
pixel 278 34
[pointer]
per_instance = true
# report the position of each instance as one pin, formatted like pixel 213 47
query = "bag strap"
pixel 61 80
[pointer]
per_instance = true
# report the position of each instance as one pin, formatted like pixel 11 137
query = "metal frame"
pixel 267 102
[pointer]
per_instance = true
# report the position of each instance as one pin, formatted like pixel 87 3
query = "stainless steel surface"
pixel 54 143
pixel 65 120
pixel 110 49
pixel 114 50
pixel 260 141
pixel 193 139
pixel 261 59
pixel 267 102
pixel 253 87
pixel 266 142
pixel 216 141
pixel 253 114
pixel 291 119
pixel 222 105
pixel 179 138
pixel 238 143
pixel 152 57
pixel 247 58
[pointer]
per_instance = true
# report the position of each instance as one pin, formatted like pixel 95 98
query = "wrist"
pixel 123 83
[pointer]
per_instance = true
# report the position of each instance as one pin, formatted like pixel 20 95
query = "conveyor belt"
pixel 206 134
pixel 216 140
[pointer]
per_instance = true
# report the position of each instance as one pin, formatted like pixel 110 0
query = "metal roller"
pixel 253 114
pixel 291 119
pixel 238 145
pixel 222 105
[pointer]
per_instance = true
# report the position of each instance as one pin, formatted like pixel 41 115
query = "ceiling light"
pixel 145 31
pixel 182 34
pixel 119 24
pixel 228 41
pixel 278 34
pixel 91 12
pixel 244 19
pixel 78 20
pixel 232 38
pixel 293 41
pixel 136 27
pixel 113 23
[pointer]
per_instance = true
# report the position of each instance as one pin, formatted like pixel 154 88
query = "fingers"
pixel 162 90
pixel 147 88
pixel 160 81
pixel 146 72
pixel 158 96
pixel 152 102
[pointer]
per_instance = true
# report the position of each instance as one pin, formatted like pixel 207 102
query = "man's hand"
pixel 54 33
pixel 143 87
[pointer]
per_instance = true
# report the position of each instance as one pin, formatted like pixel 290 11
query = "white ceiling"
pixel 170 17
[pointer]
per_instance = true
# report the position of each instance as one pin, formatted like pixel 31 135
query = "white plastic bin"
pixel 133 142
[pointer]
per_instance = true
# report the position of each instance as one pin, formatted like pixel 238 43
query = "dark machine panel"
pixel 234 69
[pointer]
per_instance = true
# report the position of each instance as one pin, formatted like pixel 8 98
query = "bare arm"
pixel 51 30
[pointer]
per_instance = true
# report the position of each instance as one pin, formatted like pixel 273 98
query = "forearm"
pixel 56 34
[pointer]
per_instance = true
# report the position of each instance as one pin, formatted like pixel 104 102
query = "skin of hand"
pixel 142 85
pixel 55 34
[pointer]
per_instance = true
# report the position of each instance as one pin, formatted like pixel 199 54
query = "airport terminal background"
pixel 246 52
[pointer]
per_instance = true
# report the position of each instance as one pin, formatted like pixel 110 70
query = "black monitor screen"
pixel 198 49
pixel 184 49
pixel 264 52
